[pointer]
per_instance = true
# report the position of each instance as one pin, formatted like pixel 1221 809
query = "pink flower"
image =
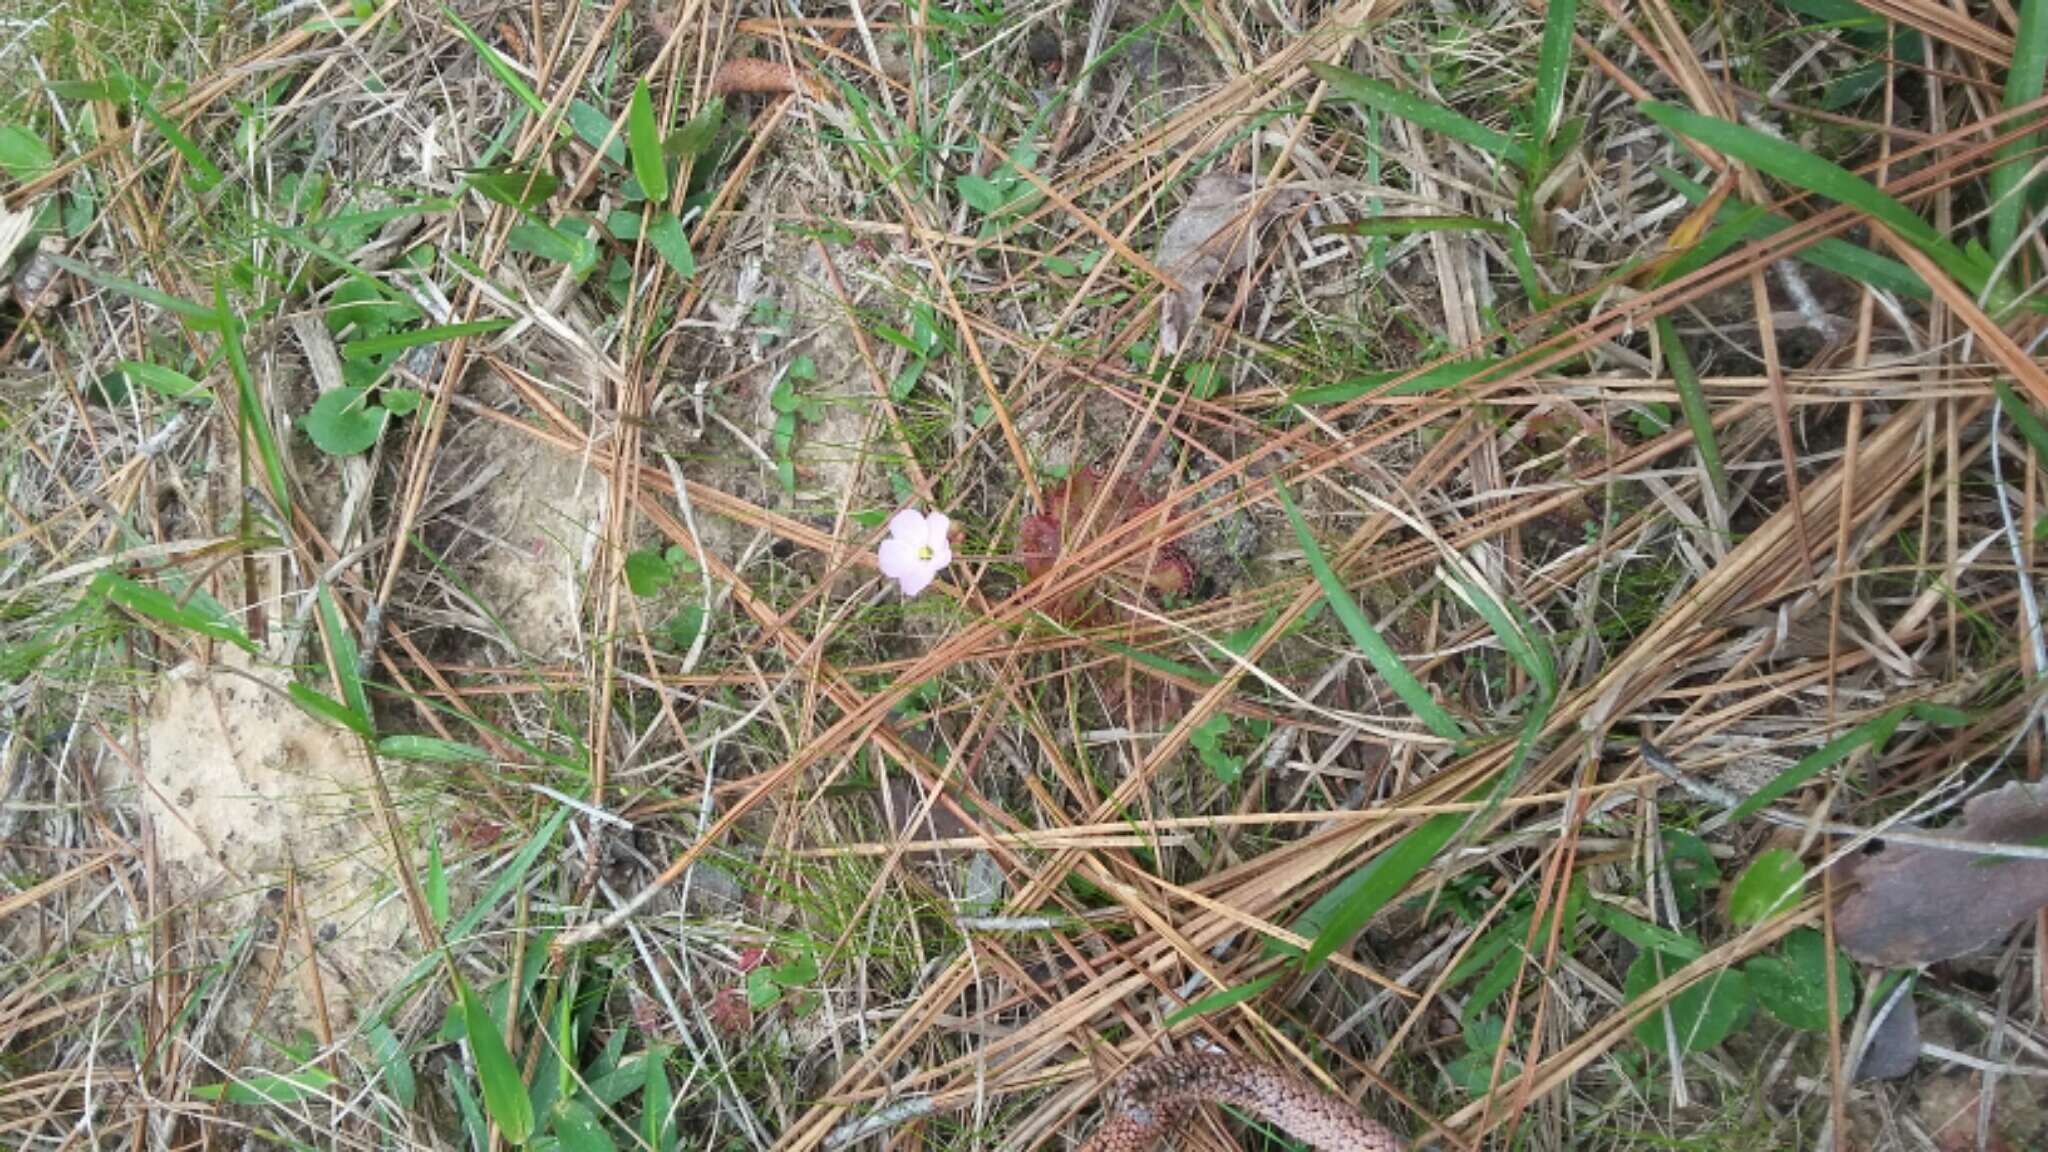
pixel 916 549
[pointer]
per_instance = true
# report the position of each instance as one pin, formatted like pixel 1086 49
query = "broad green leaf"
pixel 344 422
pixel 668 237
pixel 593 127
pixel 1384 659
pixel 513 186
pixel 696 137
pixel 392 1062
pixel 505 1097
pixel 1770 884
pixel 646 572
pixel 644 134
pixel 1702 1016
pixel 23 155
pixel 578 1129
pixel 1792 984
pixel 1386 98
pixel 656 1098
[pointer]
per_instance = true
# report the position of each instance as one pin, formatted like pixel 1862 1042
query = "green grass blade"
pixel 159 606
pixel 1755 222
pixel 496 63
pixel 1351 905
pixel 649 165
pixel 1434 380
pixel 2023 84
pixel 1693 400
pixel 373 346
pixel 1417 225
pixel 1553 69
pixel 2023 417
pixel 1384 659
pixel 197 316
pixel 205 173
pixel 1802 169
pixel 1414 109
pixel 667 236
pixel 1217 1001
pixel 1874 732
pixel 251 403
pixel 505 1098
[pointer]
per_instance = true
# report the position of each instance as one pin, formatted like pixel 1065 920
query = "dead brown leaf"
pixel 1207 241
pixel 1917 905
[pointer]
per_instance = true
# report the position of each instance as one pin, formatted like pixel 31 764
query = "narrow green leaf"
pixel 1553 70
pixel 250 408
pixel 1755 222
pixel 268 1088
pixel 1350 906
pixel 644 134
pixel 668 237
pixel 1217 1001
pixel 1874 731
pixel 371 347
pixel 497 64
pixel 327 707
pixel 205 173
pixel 197 316
pixel 505 1097
pixel 2023 84
pixel 1437 379
pixel 436 887
pixel 1414 109
pixel 431 750
pixel 1644 934
pixel 1384 659
pixel 345 653
pixel 579 1130
pixel 1693 399
pixel 165 381
pixel 159 606
pixel 695 137
pixel 1802 169
pixel 594 128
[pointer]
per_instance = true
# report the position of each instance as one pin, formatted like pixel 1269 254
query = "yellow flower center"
pixel 924 552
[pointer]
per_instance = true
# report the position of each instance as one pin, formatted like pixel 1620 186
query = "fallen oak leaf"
pixel 1918 904
pixel 1212 236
